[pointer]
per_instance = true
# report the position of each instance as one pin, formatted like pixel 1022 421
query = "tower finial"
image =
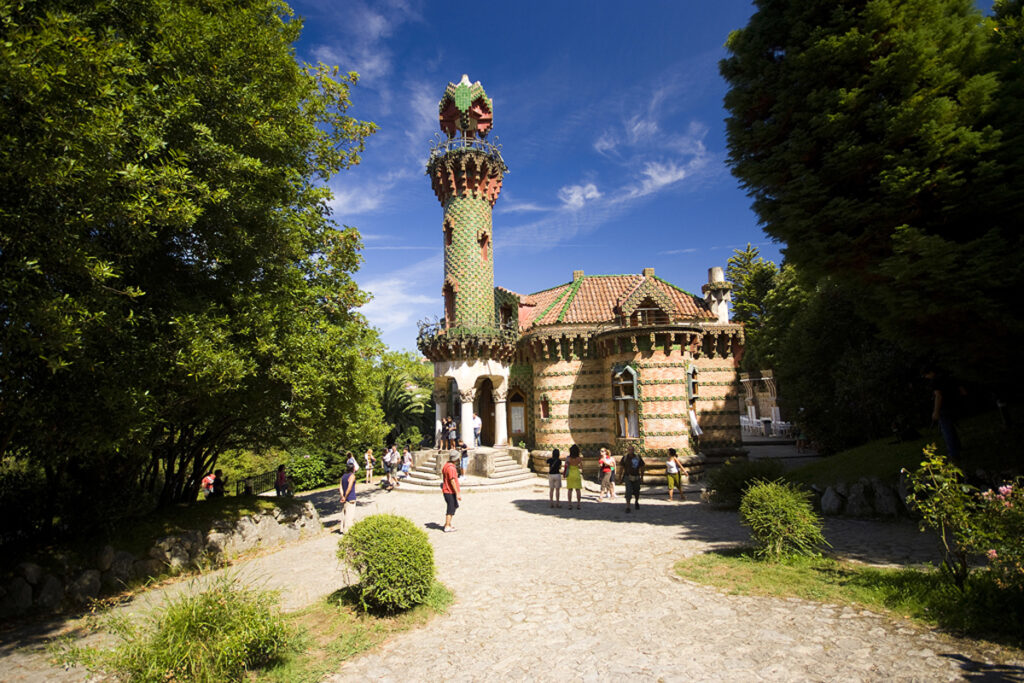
pixel 465 109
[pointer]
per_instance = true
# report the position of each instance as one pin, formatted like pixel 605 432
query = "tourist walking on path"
pixel 478 425
pixel 674 474
pixel 348 496
pixel 555 479
pixel 607 465
pixel 574 475
pixel 451 489
pixel 406 462
pixel 632 468
pixel 453 433
pixel 369 460
pixel 281 482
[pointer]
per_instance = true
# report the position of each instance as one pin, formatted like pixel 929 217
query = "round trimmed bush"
pixel 781 520
pixel 394 559
pixel 727 484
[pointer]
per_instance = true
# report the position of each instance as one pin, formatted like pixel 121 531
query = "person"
pixel 369 460
pixel 555 479
pixel 348 496
pixel 464 462
pixel 632 472
pixel 607 465
pixel 946 395
pixel 394 464
pixel 406 462
pixel 207 485
pixel 218 484
pixel 478 425
pixel 350 459
pixel 453 433
pixel 281 482
pixel 674 474
pixel 451 489
pixel 574 475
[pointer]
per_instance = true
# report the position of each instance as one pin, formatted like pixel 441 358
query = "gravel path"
pixel 546 594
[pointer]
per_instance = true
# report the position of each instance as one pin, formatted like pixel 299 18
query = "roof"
pixel 601 298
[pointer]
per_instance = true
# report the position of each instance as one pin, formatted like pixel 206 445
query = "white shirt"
pixel 477 422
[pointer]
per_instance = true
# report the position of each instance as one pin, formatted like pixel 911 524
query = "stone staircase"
pixel 489 467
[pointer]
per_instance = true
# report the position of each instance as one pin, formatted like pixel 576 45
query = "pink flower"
pixel 992 554
pixel 1005 490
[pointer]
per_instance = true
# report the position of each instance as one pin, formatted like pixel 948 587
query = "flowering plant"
pixel 1000 535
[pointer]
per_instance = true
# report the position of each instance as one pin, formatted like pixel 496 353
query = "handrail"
pixel 443 145
pixel 429 330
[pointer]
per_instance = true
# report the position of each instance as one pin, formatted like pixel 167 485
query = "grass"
pixel 336 629
pixel 923 595
pixel 987 445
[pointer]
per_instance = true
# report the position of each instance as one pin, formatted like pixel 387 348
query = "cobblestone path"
pixel 560 594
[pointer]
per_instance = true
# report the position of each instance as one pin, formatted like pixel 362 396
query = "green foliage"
pixel 394 559
pixel 172 284
pixel 727 484
pixel 411 437
pixel 753 279
pixel 781 520
pixel 307 469
pixel 880 142
pixel 946 504
pixel 404 393
pixel 218 634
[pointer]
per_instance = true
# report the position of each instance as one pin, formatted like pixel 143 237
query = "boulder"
pixel 885 501
pixel 51 593
pixel 121 567
pixel 147 569
pixel 832 502
pixel 31 572
pixel 18 597
pixel 858 502
pixel 85 587
pixel 105 558
pixel 171 552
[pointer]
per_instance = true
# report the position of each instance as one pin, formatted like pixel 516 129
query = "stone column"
pixel 466 428
pixel 500 416
pixel 440 412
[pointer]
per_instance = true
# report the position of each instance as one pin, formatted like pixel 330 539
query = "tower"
pixel 469 344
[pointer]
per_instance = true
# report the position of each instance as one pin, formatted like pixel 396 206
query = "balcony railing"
pixel 443 145
pixel 444 328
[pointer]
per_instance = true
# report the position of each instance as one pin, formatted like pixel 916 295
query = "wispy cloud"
pixel 401 297
pixel 673 252
pixel 575 196
pixel 407 247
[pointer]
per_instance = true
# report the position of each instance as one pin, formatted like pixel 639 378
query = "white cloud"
pixel 655 176
pixel 672 252
pixel 640 129
pixel 422 106
pixel 353 202
pixel 606 143
pixel 520 207
pixel 403 297
pixel 575 196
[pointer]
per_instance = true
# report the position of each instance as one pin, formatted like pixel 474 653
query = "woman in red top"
pixel 450 488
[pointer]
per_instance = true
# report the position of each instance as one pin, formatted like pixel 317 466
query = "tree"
pixel 171 284
pixel 868 134
pixel 404 393
pixel 752 279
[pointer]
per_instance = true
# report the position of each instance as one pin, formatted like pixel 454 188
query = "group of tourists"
pixel 630 472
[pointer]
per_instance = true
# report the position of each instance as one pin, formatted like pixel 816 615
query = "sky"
pixel 610 119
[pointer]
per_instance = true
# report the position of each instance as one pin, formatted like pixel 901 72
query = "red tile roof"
pixel 596 298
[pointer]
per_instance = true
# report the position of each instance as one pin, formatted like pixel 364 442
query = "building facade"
pixel 600 360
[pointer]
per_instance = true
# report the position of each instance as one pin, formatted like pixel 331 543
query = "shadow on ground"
pixel 981 671
pixel 872 542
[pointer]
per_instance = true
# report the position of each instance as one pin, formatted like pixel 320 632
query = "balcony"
pixel 444 339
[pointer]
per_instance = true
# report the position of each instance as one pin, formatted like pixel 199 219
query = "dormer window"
pixel 647 314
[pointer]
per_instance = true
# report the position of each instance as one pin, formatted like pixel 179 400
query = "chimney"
pixel 577 275
pixel 716 293
pixel 649 272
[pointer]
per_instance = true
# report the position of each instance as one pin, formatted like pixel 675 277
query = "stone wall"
pixel 64 583
pixel 865 498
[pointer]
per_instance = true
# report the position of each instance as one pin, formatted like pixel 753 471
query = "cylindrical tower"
pixel 466 173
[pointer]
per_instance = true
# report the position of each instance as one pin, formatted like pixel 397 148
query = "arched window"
pixel 449 305
pixel 484 243
pixel 517 413
pixel 449 229
pixel 545 408
pixel 627 425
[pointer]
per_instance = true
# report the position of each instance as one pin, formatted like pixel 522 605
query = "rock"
pixel 51 593
pixel 86 586
pixel 31 572
pixel 105 558
pixel 18 597
pixel 858 504
pixel 902 491
pixel 886 503
pixel 121 566
pixel 171 552
pixel 147 569
pixel 831 502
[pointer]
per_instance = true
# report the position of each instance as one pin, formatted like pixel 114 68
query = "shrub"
pixel 727 484
pixel 394 559
pixel 1000 535
pixel 781 520
pixel 307 469
pixel 215 635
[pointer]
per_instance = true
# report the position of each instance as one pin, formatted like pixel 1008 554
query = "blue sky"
pixel 611 121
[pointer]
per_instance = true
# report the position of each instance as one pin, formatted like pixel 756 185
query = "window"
pixel 484 242
pixel 624 394
pixel 449 228
pixel 449 305
pixel 505 316
pixel 691 383
pixel 517 413
pixel 545 408
pixel 646 314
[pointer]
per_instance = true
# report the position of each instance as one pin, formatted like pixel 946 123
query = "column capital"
pixel 500 394
pixel 467 395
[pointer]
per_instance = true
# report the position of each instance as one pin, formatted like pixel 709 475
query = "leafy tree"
pixel 869 136
pixel 404 394
pixel 752 279
pixel 171 284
